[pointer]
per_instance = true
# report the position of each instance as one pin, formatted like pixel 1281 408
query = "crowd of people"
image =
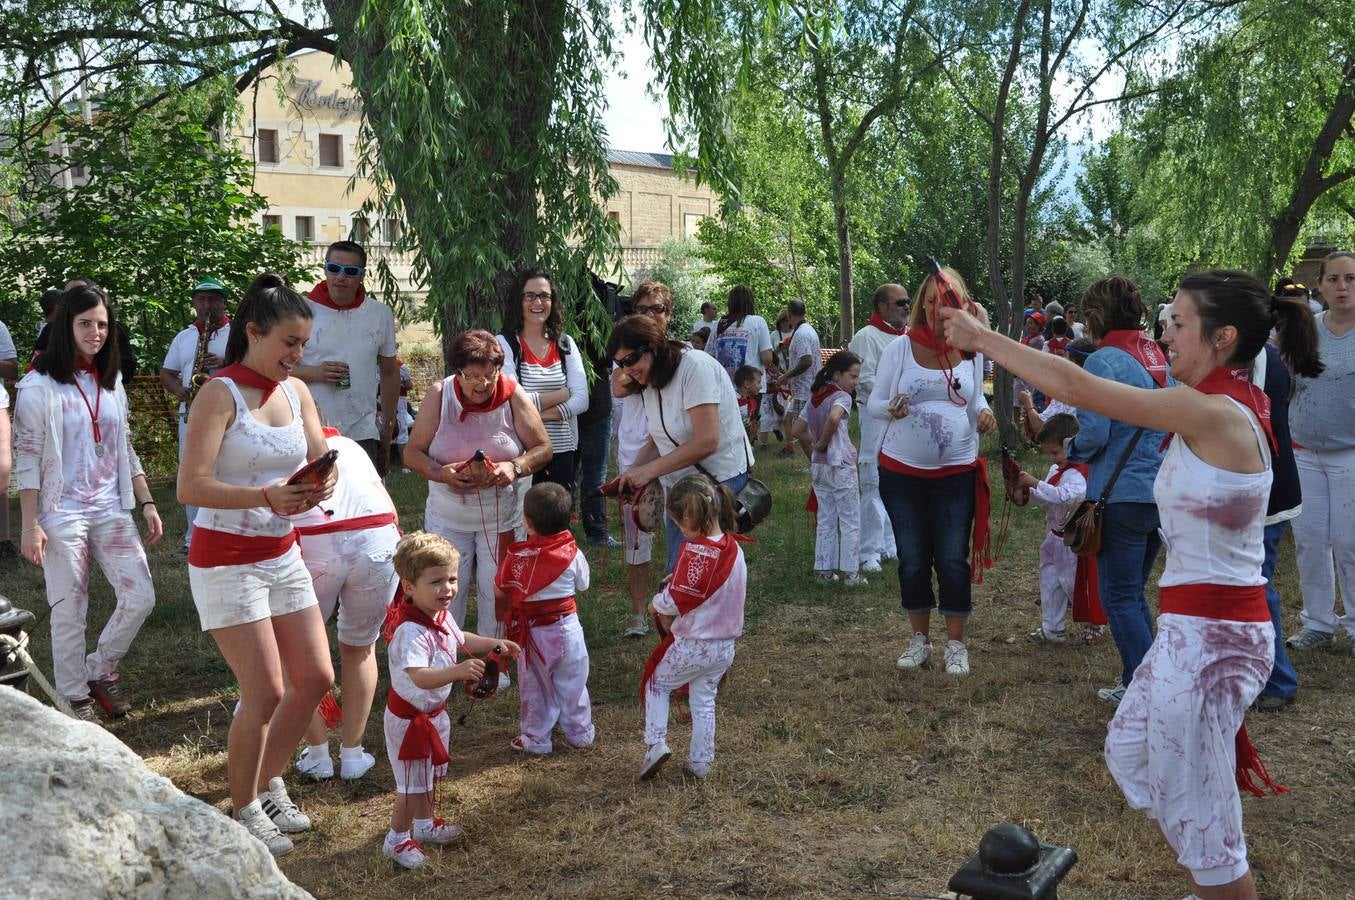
pixel 1208 441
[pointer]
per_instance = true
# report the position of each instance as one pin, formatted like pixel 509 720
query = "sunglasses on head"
pixel 631 359
pixel 352 271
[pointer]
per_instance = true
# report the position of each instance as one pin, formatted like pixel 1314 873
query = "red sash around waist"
pixel 211 548
pixel 422 740
pixel 980 551
pixel 524 616
pixel 1230 603
pixel 359 523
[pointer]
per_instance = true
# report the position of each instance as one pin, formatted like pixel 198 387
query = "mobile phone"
pixel 898 403
pixel 317 470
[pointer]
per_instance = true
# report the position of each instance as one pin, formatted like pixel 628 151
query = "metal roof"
pixel 640 158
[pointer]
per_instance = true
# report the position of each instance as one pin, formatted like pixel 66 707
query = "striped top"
pixel 554 371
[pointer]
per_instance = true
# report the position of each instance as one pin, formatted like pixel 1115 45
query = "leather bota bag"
pixel 1082 529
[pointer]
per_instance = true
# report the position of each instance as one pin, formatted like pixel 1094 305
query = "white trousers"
pixel 414 776
pixel 553 688
pixel 877 536
pixel 190 512
pixel 699 664
pixel 1324 538
pixel 1171 747
pixel 1058 571
pixel 354 570
pixel 114 544
pixel 837 540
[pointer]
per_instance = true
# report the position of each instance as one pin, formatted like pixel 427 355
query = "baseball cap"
pixel 208 283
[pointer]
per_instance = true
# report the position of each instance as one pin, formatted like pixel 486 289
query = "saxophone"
pixel 200 375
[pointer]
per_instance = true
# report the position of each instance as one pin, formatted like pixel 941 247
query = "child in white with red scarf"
pixel 537 583
pixel 822 431
pixel 423 650
pixel 700 611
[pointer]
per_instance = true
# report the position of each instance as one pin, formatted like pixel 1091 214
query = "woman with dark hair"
pixel 691 409
pixel 476 439
pixel 1324 438
pixel 1129 535
pixel 741 337
pixel 1177 746
pixel 249 430
pixel 78 480
pixel 546 362
pixel 933 484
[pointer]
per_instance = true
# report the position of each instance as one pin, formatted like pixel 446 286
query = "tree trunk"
pixel 847 315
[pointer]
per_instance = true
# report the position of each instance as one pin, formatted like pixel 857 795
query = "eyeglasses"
pixel 651 310
pixel 904 303
pixel 631 359
pixel 334 268
pixel 478 379
pixel 533 296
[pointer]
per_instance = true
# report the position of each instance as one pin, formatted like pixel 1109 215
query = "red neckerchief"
pixel 243 374
pixel 885 326
pixel 1076 467
pixel 529 355
pixel 824 393
pixel 924 336
pixel 1057 346
pixel 503 389
pixel 1142 348
pixel 530 566
pixel 320 295
pixel 220 324
pixel 1236 383
pixel 329 432
pixel 1025 339
pixel 83 365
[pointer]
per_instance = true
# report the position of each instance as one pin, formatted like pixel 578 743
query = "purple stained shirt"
pixel 840 450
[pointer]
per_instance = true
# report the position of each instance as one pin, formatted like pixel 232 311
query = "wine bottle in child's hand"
pixel 489 682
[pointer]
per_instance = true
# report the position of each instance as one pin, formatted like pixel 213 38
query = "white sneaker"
pixel 636 626
pixel 354 762
pixel 918 652
pixel 1111 695
pixel 1042 636
pixel 280 808
pixel 870 566
pixel 407 853
pixel 654 759
pixel 696 769
pixel 440 833
pixel 957 658
pixel 853 580
pixel 315 765
pixel 257 823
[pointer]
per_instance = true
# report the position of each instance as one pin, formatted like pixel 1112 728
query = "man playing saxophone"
pixel 194 355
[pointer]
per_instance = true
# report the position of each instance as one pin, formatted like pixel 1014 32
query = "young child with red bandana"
pixel 700 612
pixel 424 641
pixel 535 590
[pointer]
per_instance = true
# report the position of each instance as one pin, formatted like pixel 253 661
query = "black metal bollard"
pixel 1012 864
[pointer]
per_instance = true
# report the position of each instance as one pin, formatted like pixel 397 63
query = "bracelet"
pixel 145 503
pixel 271 507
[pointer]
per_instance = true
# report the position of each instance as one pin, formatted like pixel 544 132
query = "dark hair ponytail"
pixel 1296 335
pixel 269 300
pixel 840 361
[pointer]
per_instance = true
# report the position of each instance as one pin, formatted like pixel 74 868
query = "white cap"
pixel 1163 312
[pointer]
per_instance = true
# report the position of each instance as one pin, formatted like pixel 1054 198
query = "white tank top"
pixel 1213 520
pixel 253 454
pixel 456 441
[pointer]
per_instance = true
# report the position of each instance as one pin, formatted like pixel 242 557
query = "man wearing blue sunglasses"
pixel 351 356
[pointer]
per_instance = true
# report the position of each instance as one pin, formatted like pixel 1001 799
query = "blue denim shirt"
pixel 1100 440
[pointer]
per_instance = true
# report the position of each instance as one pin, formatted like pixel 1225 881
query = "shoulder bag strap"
pixel 1119 467
pixel 748 463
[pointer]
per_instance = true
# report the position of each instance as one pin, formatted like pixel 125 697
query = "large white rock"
pixel 82 816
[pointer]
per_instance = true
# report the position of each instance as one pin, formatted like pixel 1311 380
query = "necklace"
pixel 93 412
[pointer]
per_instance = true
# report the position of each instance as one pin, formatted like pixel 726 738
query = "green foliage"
pixel 681 267
pixel 159 202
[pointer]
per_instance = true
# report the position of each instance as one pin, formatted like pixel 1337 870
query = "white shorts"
pixel 236 595
pixel 414 776
pixel 354 570
pixel 639 546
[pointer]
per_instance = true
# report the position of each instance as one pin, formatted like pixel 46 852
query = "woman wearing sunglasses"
pixel 476 439
pixel 692 413
pixel 546 363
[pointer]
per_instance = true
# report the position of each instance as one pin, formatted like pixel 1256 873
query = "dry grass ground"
pixel 837 775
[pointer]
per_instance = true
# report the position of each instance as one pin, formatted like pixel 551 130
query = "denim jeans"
pixel 1283 681
pixel 674 537
pixel 1129 545
pixel 591 461
pixel 559 469
pixel 932 519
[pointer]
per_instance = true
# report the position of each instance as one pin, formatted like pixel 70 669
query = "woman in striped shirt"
pixel 545 362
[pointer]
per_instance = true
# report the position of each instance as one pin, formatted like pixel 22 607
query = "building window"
pixel 392 230
pixel 331 151
pixel 272 222
pixel 615 216
pixel 305 228
pixel 360 231
pixel 266 145
pixel 690 222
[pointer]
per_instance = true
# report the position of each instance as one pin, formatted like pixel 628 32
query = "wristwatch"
pixel 517 469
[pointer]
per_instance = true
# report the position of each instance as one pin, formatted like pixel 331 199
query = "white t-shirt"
pixel 415 647
pixel 741 344
pixel 356 336
pixel 184 349
pixel 89 479
pixel 632 431
pixel 573 580
pixel 699 380
pixel 358 492
pixel 804 342
pixel 7 350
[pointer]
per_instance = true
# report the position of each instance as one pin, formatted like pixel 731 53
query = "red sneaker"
pixel 108 694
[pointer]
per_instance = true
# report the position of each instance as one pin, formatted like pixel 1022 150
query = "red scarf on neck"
pixel 503 389
pixel 243 374
pixel 86 365
pixel 824 393
pixel 1057 346
pixel 320 294
pixel 217 326
pixel 702 568
pixel 1076 467
pixel 1142 348
pixel 885 326
pixel 532 565
pixel 1236 383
